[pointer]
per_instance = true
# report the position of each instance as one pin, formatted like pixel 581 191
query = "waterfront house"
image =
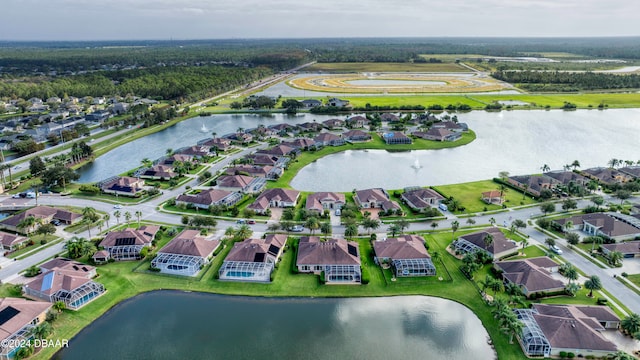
pixel 209 197
pixel 44 213
pixel 127 244
pixel 123 185
pixel 420 199
pixel 318 202
pixel 356 135
pixel 333 123
pixel 301 143
pixel 253 259
pixel 550 330
pixel 438 134
pixel 241 183
pixel 186 254
pixel 395 138
pixel 283 129
pixel 279 150
pixel 533 184
pixel 169 161
pixel 450 126
pixel 406 254
pixel 357 121
pixel 196 152
pixel 608 225
pixel 264 159
pixel 159 172
pixel 217 144
pixel 101 257
pixel 67 281
pixel 11 242
pixel 327 139
pixel 267 171
pixel 311 103
pixel 498 248
pixel 337 259
pixel 337 102
pixel 271 198
pixel 568 177
pixel 607 176
pixel 533 276
pixel 389 117
pixel 376 198
pixel 631 170
pixel 18 317
pixel 310 127
pixel 241 138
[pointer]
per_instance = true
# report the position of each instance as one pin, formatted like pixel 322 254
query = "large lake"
pixel 176 325
pixel 516 141
pixel 519 142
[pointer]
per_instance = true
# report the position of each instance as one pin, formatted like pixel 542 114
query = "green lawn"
pixel 37 246
pixel 469 195
pixel 634 278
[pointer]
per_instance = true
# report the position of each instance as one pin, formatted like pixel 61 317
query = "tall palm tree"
pixel 615 257
pixel 243 232
pixel 394 229
pixel 350 231
pixel 127 217
pixel 550 242
pixel 59 305
pixel 3 167
pixel 117 214
pixel 525 243
pixel 503 189
pixel 312 224
pixel 27 224
pixel 90 216
pixel 326 229
pixel 575 164
pixel 545 168
pixel 571 273
pixel 138 214
pixel 631 324
pixel 107 217
pixel 488 240
pixel 454 227
pixel 593 283
pixel 41 331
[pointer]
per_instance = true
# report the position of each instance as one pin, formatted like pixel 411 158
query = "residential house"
pixel 283 129
pixel 242 138
pixel 123 185
pixel 169 161
pixel 98 115
pixel 406 254
pixel 38 108
pixel 450 125
pixel 101 257
pixel 568 177
pixel 310 127
pixel 628 249
pixel 280 150
pixel 553 329
pixel 209 197
pixel 12 242
pixel 44 213
pixel 495 197
pixel 608 225
pixel 159 172
pixel 241 183
pixel 376 198
pixel 265 159
pixel 389 117
pixel 533 276
pixel 438 134
pixel 337 102
pixel 338 259
pixel 318 202
pixel 420 199
pixel 18 317
pixel 327 139
pixel 270 198
pixel 67 281
pixel 333 123
pixel 186 254
pixel 631 170
pixel 301 143
pixel 311 103
pixel 119 108
pixel 356 135
pixel 196 152
pixel 217 144
pixel 607 176
pixel 396 137
pixel 127 244
pixel 253 259
pixel 499 247
pixel 267 172
pixel 357 121
pixel 533 184
pixel 54 99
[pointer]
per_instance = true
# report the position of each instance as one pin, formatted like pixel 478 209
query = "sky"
pixel 224 19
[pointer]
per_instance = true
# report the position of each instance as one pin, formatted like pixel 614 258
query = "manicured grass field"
pixel 386 67
pixel 470 193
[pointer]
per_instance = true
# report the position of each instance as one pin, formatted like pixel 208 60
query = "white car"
pixel 556 250
pixel 117 206
pixel 297 228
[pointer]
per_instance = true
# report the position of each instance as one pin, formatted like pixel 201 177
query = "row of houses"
pixel 609 225
pixel 42 215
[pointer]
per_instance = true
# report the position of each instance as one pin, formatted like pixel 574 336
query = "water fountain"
pixel 416 164
pixel 204 129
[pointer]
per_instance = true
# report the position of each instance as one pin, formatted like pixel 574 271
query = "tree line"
pixel 568 81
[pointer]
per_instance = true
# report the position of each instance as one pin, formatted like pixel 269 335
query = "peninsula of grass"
pixel 376 143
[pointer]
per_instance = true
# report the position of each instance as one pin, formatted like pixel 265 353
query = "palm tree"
pixel 41 331
pixel 454 227
pixel 127 217
pixel 169 152
pixel 403 224
pixel 593 283
pixel 575 164
pixel 107 217
pixel 3 167
pixel 243 232
pixel 613 162
pixel 570 272
pixel 434 225
pixel 492 221
pixel 326 229
pixel 350 231
pixel 146 162
pixel 511 325
pixel 370 224
pixel 312 224
pixel 597 201
pixel 503 189
pixel 596 240
pixel 138 214
pixel 631 324
pixel 394 229
pixel 488 240
pixel 545 168
pixel 525 243
pixel 27 224
pixel 615 257
pixel 550 242
pixel 117 214
pixel 90 216
pixel 59 305
pixel 503 175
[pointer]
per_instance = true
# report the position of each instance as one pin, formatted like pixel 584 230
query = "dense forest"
pixel 178 82
pixel 568 81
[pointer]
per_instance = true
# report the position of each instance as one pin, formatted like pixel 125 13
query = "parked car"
pixel 117 206
pixel 15 196
pixel 338 212
pixel 297 228
pixel 241 221
pixel 55 222
pixel 556 250
pixel 251 222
